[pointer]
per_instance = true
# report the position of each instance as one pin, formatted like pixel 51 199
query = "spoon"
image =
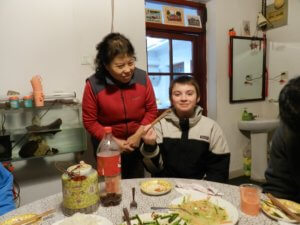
pixel 133 203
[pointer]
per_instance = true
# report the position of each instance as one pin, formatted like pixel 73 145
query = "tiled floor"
pixel 242 180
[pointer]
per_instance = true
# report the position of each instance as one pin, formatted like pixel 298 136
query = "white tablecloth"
pixel 114 213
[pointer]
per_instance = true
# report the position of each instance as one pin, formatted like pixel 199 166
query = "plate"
pixel 103 220
pixel 156 186
pixel 272 211
pixel 233 215
pixel 147 217
pixel 19 218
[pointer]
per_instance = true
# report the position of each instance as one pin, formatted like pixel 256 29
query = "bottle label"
pixel 109 165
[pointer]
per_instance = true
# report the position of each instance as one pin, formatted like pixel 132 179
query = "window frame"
pixel 198 38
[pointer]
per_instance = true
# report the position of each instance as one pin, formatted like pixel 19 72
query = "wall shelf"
pixel 69 137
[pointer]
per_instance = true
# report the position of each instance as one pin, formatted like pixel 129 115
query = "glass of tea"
pixel 250 199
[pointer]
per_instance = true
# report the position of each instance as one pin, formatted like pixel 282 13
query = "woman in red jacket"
pixel 121 96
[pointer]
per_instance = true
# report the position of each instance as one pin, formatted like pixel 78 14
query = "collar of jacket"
pixel 110 80
pixel 192 121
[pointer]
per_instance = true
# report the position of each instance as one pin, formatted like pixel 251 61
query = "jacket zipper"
pixel 125 113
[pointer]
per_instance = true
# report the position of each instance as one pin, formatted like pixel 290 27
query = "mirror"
pixel 247 69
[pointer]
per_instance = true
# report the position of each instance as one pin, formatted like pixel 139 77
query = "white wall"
pixel 282 55
pixel 52 38
pixel 223 15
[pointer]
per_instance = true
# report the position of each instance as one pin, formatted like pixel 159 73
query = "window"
pixel 174 51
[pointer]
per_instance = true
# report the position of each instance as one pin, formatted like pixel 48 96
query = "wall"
pixel 223 15
pixel 282 56
pixel 54 38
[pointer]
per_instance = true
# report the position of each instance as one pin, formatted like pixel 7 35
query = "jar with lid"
pixel 28 100
pixel 80 189
pixel 14 102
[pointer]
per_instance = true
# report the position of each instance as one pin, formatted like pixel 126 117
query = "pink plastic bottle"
pixel 109 169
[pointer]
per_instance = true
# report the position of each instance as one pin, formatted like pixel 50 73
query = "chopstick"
pixel 35 218
pixel 166 112
pixel 126 216
pixel 170 208
pixel 277 203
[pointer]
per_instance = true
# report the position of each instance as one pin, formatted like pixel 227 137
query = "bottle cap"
pixel 107 130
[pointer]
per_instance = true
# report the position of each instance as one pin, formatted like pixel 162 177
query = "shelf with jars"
pixel 31 132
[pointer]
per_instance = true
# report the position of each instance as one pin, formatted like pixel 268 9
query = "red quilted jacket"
pixel 124 107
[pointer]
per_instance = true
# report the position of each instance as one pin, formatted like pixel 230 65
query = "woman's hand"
pixel 124 145
pixel 135 139
pixel 150 136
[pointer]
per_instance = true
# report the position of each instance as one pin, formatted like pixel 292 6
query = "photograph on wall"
pixel 173 16
pixel 194 21
pixel 153 15
pixel 277 14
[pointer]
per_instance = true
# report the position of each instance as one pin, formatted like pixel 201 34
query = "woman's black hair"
pixel 112 45
pixel 289 104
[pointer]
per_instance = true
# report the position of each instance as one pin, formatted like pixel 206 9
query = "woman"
pixel 121 96
pixel 185 143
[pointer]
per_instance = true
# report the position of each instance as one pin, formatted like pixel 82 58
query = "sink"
pixel 259 130
pixel 260 125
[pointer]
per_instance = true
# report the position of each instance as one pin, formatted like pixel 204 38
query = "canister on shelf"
pixel 80 189
pixel 14 102
pixel 28 101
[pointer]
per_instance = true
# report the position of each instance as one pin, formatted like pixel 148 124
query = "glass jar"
pixel 14 102
pixel 28 101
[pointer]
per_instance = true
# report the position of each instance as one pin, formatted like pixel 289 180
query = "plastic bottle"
pixel 247 159
pixel 109 168
pixel 245 114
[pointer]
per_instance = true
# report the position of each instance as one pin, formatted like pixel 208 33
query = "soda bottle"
pixel 109 169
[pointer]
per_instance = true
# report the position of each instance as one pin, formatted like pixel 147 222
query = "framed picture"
pixel 173 16
pixel 194 21
pixel 277 14
pixel 153 15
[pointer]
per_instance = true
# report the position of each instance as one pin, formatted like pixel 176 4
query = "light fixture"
pixel 261 20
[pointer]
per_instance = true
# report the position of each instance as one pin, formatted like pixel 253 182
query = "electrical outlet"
pixel 86 60
pixel 284 75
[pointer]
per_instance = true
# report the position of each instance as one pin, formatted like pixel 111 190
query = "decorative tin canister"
pixel 80 189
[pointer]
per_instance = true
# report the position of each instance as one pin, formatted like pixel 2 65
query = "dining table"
pixel 231 194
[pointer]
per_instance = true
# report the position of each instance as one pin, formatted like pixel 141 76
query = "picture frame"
pixel 173 16
pixel 194 21
pixel 153 15
pixel 277 14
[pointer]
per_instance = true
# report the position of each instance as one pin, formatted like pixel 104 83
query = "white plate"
pixel 270 210
pixel 103 220
pixel 231 210
pixel 156 186
pixel 146 217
